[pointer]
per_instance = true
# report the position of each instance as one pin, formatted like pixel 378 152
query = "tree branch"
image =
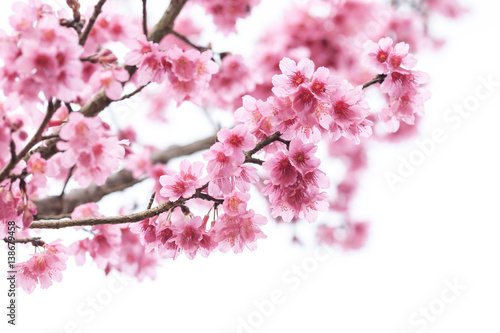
pixel 34 140
pixel 136 217
pixel 36 241
pixel 90 25
pixel 56 205
pixel 187 41
pixel 144 18
pixel 267 141
pixel 377 79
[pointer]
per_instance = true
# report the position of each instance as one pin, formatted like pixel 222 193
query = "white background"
pixel 441 224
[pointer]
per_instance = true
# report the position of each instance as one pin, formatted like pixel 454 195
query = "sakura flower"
pixel 282 171
pixel 349 112
pixel 257 116
pixel 302 156
pixel 133 259
pixel 89 145
pixel 236 203
pixel 90 209
pixel 293 75
pixel 221 163
pixel 233 80
pixel 103 247
pixel 238 232
pixel 37 166
pixel 50 59
pixel 184 64
pixel 377 54
pixel 184 184
pixel 399 56
pixel 188 235
pixel 42 268
pixel 139 163
pixel 111 80
pixel 237 139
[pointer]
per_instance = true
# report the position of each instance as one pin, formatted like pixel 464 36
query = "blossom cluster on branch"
pixel 302 89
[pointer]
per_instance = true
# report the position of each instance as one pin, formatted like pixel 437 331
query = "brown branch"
pixel 144 18
pixel 187 41
pixel 377 79
pixel 36 241
pixel 133 93
pixel 267 141
pixel 55 205
pixel 34 140
pixel 136 217
pixel 90 25
pixel 164 26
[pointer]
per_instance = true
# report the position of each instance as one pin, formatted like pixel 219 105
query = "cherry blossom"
pixel 42 268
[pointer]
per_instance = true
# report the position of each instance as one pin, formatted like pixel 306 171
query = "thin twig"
pixel 187 41
pixel 150 212
pixel 377 79
pixel 132 93
pixel 34 140
pixel 90 25
pixel 144 18
pixel 151 200
pixel 267 141
pixel 36 241
pixel 70 173
pixel 54 205
pixel 100 101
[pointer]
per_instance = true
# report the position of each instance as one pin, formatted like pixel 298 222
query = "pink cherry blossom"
pixel 376 55
pixel 42 268
pixel 184 184
pixel 237 139
pixel 238 232
pixel 188 235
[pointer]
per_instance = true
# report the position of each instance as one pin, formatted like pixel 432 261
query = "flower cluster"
pixel 42 57
pixel 42 268
pixel 295 183
pixel 181 232
pixel 187 72
pixel 15 206
pixel 309 104
pixel 402 85
pixel 112 247
pixel 225 162
pixel 233 80
pixel 88 147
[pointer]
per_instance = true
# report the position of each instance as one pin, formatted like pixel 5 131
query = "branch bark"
pixel 57 205
pixel 35 241
pixel 377 79
pixel 90 25
pixel 148 213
